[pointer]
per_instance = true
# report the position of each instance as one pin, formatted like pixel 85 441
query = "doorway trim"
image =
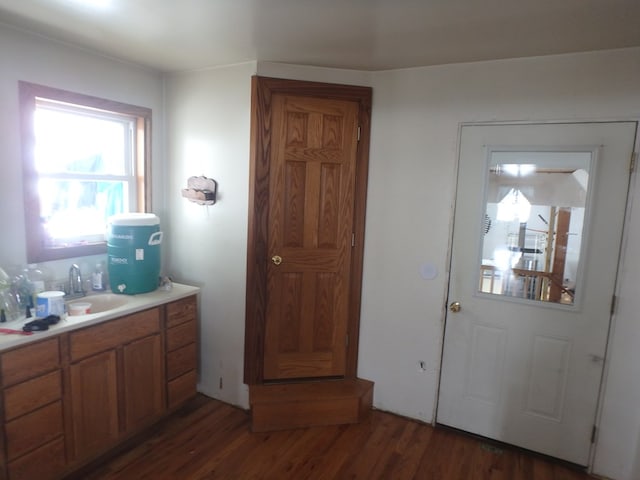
pixel 262 89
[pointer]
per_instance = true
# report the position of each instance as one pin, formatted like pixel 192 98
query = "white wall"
pixel 34 59
pixel 416 114
pixel 208 134
pixel 618 446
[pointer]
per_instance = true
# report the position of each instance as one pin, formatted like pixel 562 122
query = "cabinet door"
pixel 94 403
pixel 142 381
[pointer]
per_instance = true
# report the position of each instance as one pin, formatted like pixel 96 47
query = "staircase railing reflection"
pixel 524 283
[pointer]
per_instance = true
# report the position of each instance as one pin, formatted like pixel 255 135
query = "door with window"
pixel 538 224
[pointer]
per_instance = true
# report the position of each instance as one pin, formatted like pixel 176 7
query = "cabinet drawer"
pixel 113 333
pixel 181 361
pixel 32 394
pixel 44 463
pixel 182 388
pixel 34 429
pixel 181 335
pixel 30 361
pixel 181 311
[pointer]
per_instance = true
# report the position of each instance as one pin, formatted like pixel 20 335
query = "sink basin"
pixel 100 303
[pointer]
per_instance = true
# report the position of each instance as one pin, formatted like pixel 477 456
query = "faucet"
pixel 75 282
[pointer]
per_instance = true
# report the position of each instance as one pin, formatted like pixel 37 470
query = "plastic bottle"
pixel 9 308
pixel 36 277
pixel 98 279
pixel 5 280
pixel 22 289
pixel 37 281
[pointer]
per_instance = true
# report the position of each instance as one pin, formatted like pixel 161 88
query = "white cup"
pixel 79 308
pixel 50 303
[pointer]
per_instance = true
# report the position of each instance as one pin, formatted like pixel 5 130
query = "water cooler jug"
pixel 133 252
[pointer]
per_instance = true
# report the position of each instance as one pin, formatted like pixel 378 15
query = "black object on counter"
pixel 35 326
pixel 40 324
pixel 51 319
pixel 3 317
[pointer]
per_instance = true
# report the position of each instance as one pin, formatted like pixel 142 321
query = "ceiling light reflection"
pixel 97 4
pixel 518 169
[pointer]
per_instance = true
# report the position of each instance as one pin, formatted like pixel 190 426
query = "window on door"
pixel 84 159
pixel 536 205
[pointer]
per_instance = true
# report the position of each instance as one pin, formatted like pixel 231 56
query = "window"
pixel 84 159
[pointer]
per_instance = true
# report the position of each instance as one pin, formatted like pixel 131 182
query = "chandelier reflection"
pixel 514 206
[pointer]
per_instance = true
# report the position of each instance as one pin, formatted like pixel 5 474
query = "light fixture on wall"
pixel 201 190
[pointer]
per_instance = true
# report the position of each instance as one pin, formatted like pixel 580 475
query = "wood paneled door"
pixel 309 166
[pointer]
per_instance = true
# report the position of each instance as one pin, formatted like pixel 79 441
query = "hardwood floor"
pixel 211 440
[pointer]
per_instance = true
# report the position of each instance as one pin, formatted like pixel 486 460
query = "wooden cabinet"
pixel 182 351
pixel 33 419
pixel 70 398
pixel 94 403
pixel 119 389
pixel 142 382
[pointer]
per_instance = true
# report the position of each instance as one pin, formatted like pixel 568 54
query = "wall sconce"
pixel 200 190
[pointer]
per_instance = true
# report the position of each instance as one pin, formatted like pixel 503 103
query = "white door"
pixel 537 231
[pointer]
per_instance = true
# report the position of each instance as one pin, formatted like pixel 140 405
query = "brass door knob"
pixel 455 307
pixel 276 259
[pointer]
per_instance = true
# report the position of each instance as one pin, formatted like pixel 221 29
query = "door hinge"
pixel 359 132
pixel 353 240
pixel 634 161
pixel 614 300
pixel 346 340
pixel 594 432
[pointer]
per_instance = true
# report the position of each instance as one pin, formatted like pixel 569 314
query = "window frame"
pixel 37 250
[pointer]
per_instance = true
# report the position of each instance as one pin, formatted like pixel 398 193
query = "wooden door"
pixel 142 382
pixel 309 166
pixel 310 227
pixel 94 403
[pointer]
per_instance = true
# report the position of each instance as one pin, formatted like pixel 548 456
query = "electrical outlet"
pixel 220 384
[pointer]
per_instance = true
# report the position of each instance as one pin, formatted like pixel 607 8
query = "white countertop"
pixel 134 303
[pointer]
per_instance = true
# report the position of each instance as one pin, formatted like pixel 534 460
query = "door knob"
pixel 455 307
pixel 276 259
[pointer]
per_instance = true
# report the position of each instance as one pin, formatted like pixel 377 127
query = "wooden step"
pixel 306 404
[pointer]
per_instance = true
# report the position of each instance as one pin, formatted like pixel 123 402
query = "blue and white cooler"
pixel 133 252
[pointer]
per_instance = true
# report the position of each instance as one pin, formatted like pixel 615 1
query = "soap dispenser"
pixel 98 279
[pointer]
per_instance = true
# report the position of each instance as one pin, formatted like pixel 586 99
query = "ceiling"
pixel 175 35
